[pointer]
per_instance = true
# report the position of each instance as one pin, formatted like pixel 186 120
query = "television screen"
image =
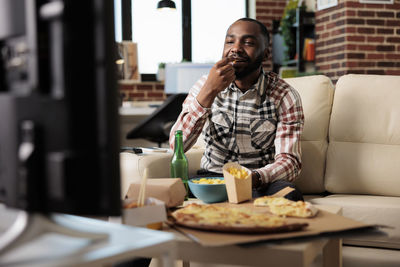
pixel 59 107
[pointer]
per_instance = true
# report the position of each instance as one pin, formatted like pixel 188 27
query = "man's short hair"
pixel 263 28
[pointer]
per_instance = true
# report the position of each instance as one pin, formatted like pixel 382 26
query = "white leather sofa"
pixel 350 153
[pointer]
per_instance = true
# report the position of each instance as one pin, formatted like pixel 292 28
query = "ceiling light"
pixel 166 4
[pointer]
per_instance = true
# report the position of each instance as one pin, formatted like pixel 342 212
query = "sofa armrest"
pixel 157 165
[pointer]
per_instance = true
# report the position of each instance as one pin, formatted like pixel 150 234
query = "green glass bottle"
pixel 179 163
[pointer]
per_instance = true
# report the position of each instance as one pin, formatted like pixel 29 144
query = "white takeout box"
pixel 239 190
pixel 152 212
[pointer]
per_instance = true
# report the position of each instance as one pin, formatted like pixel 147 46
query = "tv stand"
pixel 29 226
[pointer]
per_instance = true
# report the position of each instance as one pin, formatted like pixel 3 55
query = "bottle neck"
pixel 178 144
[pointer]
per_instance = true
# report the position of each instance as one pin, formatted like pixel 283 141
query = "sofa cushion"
pixel 365 257
pixel 369 257
pixel 316 94
pixel 371 210
pixel 364 149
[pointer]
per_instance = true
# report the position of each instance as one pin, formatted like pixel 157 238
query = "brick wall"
pixel 358 38
pixel 142 91
pixel 266 12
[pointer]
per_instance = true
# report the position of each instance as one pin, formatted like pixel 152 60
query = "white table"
pixel 287 253
pixel 123 243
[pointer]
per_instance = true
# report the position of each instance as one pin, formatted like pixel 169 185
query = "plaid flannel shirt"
pixel 260 128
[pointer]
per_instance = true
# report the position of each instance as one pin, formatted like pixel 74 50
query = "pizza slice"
pixel 284 207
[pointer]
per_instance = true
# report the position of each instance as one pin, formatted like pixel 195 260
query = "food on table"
pixel 284 207
pixel 228 219
pixel 208 181
pixel 209 190
pixel 238 173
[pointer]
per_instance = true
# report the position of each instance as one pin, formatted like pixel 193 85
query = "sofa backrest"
pixel 316 94
pixel 364 150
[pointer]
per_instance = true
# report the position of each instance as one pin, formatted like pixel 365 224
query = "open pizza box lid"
pixel 239 190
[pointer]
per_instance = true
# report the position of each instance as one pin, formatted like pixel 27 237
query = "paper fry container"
pixel 238 190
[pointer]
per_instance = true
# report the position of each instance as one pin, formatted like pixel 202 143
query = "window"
pixel 209 26
pixel 118 22
pixel 159 34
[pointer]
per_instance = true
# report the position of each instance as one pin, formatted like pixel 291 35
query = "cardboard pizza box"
pixel 323 225
pixel 239 190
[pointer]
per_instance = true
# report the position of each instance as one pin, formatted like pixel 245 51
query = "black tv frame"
pixel 63 104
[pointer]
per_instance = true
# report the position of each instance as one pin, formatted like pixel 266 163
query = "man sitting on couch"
pixel 246 115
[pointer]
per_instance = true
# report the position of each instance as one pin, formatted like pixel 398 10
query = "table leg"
pixel 167 261
pixel 332 253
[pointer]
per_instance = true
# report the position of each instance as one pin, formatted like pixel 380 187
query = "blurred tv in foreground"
pixel 58 107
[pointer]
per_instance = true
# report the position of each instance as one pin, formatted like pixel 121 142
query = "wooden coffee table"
pixel 301 252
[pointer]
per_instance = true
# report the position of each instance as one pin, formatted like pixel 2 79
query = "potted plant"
pixel 288 35
pixel 161 72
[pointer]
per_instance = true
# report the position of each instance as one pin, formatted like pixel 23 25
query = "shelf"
pixel 292 62
pixel 304 27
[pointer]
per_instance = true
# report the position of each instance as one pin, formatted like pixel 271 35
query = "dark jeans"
pixel 271 189
pixel 137 262
pixel 278 185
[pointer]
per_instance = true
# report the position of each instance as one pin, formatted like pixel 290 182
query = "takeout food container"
pixel 151 215
pixel 170 190
pixel 239 190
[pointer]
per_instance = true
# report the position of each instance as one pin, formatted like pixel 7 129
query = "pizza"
pixel 284 207
pixel 231 219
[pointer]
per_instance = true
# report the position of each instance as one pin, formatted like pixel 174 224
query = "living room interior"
pixel 350 37
pixel 342 56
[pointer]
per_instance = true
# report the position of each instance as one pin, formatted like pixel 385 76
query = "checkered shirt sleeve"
pixel 287 163
pixel 192 118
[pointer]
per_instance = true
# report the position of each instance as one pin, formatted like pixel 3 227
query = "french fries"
pixel 238 173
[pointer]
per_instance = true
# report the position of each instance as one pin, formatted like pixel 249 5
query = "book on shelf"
pixel 309 49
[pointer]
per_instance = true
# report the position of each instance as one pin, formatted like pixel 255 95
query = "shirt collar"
pixel 260 85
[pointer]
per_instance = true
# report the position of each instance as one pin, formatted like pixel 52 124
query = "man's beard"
pixel 256 64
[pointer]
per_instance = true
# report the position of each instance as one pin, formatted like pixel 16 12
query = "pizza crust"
pixel 243 229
